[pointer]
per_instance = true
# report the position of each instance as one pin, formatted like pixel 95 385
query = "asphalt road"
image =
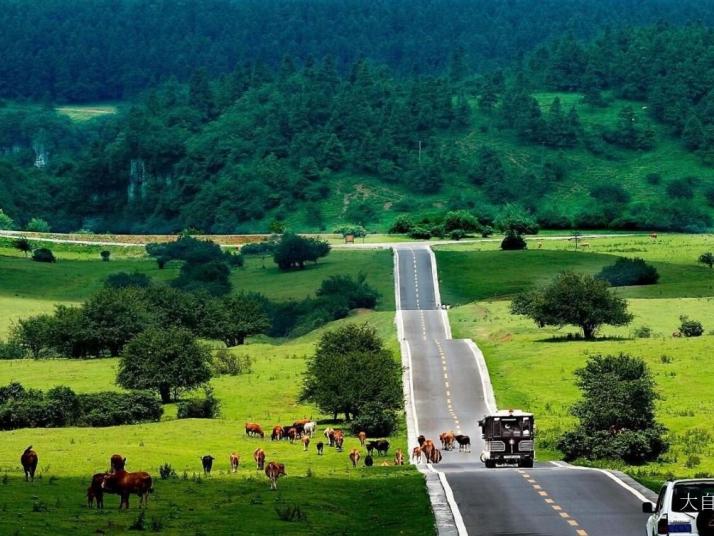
pixel 548 500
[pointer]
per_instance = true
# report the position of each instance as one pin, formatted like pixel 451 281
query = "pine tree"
pixel 333 155
pixel 693 133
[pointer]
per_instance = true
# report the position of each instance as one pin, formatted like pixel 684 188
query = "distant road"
pixel 450 390
pixel 237 240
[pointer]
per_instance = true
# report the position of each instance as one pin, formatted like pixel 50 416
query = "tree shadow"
pixel 576 337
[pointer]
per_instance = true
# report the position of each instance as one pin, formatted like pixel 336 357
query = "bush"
pixel 419 232
pixel 12 349
pixel 125 280
pixel 43 255
pixel 629 272
pixel 200 408
pixel 643 332
pixel 375 421
pixel 457 234
pixel 402 225
pixel 105 255
pixel 38 225
pixel 113 409
pixel 513 242
pixel 166 472
pixel 226 363
pixel 266 247
pixel 461 219
pixel 437 231
pixel 681 188
pixel 690 328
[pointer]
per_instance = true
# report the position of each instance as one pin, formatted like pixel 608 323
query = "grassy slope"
pixel 28 287
pixel 332 494
pixel 531 368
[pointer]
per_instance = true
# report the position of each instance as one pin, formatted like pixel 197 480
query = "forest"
pixel 259 138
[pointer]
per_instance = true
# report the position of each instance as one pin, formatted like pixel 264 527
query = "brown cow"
pixel 354 457
pixel 435 456
pixel 95 491
pixel 273 472
pixel 305 442
pixel 125 484
pixel 416 454
pixel 448 440
pixel 329 434
pixel 292 434
pixel 259 457
pixel 399 457
pixel 29 463
pixel 277 433
pixel 235 461
pixel 339 439
pixel 421 439
pixel 117 463
pixel 301 422
pixel 362 438
pixel 254 429
pixel 427 449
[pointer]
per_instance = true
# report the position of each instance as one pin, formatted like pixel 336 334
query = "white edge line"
pixel 488 395
pixel 410 407
pixel 607 473
pixel 437 294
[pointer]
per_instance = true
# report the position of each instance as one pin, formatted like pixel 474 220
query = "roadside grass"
pixel 28 287
pixel 533 368
pixel 333 495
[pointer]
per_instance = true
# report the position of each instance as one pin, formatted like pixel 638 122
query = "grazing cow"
pixel 435 456
pixel 309 428
pixel 677 334
pixel 382 447
pixel 362 438
pixel 584 245
pixel 235 462
pixel 329 434
pixel 292 434
pixel 259 457
pixel 442 439
pixel 421 439
pixel 29 463
pixel 354 457
pixel 95 493
pixel 117 463
pixel 320 447
pixel 301 422
pixel 305 442
pixel 285 431
pixel 399 457
pixel 207 463
pixel 653 236
pixel 253 429
pixel 277 433
pixel 371 445
pixel 339 439
pixel 299 429
pixel 273 472
pixel 427 449
pixel 125 484
pixel 416 454
pixel 464 442
pixel 368 461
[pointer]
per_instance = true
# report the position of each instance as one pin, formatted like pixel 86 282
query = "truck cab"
pixel 509 438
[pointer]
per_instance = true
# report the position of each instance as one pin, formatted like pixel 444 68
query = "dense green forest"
pixel 592 128
pixel 74 50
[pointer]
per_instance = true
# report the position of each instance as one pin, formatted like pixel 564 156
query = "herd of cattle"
pixel 120 482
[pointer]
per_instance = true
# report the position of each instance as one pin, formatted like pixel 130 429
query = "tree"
pixel 352 368
pixel 38 225
pixel 514 219
pixel 292 251
pixel 575 299
pixel 43 255
pixel 461 219
pixel 115 316
pixel 6 222
pixel 693 134
pixel 105 255
pixel 33 333
pixel 166 360
pixel 22 244
pixel 707 258
pixel 617 412
pixel 212 277
pixel 239 317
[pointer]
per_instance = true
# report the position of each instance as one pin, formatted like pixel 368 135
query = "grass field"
pixel 334 496
pixel 532 368
pixel 28 287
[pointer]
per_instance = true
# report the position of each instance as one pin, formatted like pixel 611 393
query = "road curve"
pixel 448 391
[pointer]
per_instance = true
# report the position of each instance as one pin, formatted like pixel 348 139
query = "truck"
pixel 509 438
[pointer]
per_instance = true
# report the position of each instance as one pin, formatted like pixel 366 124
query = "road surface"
pixel 448 394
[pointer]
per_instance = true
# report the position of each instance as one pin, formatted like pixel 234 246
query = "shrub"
pixel 258 248
pixel 6 222
pixel 105 254
pixel 513 242
pixel 690 328
pixel 200 408
pixel 461 219
pixel 419 232
pixel 486 231
pixel 402 225
pixel 643 332
pixel 43 255
pixel 457 234
pixel 629 272
pixel 166 472
pixel 437 231
pixel 112 409
pixel 375 421
pixel 125 280
pixel 226 363
pixel 38 225
pixel 12 349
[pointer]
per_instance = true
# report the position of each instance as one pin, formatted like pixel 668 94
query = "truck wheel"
pixel 490 464
pixel 525 463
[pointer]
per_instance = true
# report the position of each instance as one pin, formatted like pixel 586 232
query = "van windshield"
pixel 693 497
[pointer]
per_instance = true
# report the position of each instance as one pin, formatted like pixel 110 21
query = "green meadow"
pixel 532 368
pixel 333 496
